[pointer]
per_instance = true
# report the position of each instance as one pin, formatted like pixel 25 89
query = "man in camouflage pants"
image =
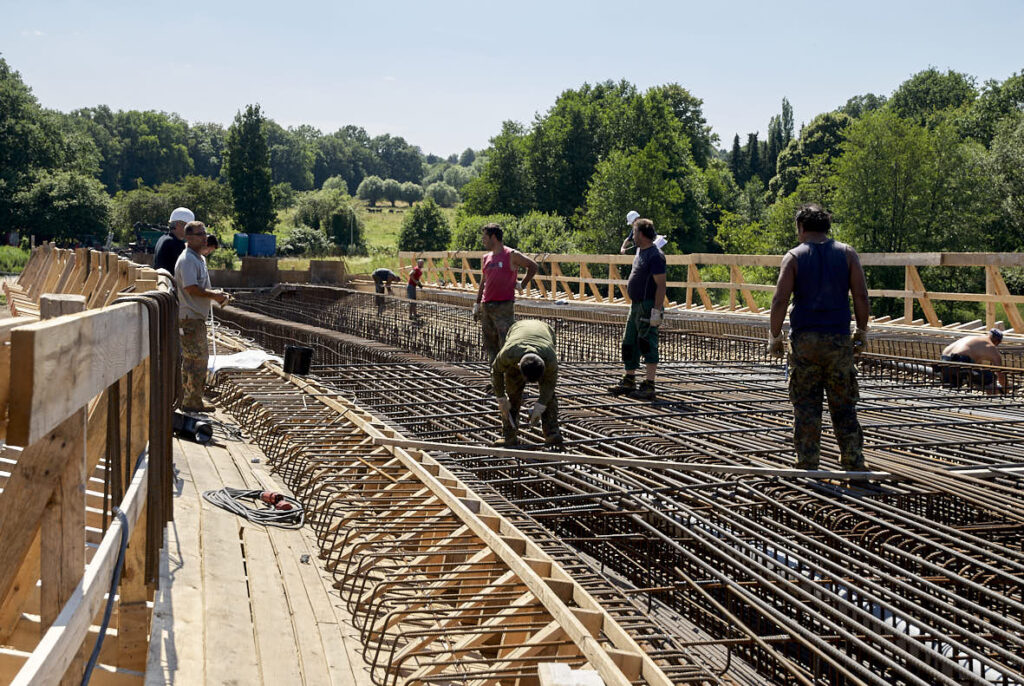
pixel 820 274
pixel 195 300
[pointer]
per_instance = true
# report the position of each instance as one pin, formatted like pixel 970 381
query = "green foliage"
pixel 424 228
pixel 928 93
pixel 457 177
pixel 12 259
pixel 222 258
pixel 903 187
pixel 996 102
pixel 143 205
pixel 502 186
pixel 1008 162
pixel 371 190
pixel 283 195
pixel 329 212
pixel 397 159
pixel 304 240
pixel 862 104
pixel 209 199
pixel 206 143
pixel 64 205
pixel 467 157
pixel 412 192
pixel 392 191
pixel 335 183
pixel 441 193
pixel 248 171
pixel 291 156
pixel 674 198
pixel 534 232
pixel 823 137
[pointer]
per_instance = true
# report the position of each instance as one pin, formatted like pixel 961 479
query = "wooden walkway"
pixel 236 604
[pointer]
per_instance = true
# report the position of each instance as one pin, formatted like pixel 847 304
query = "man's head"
pixel 179 218
pixel 211 244
pixel 812 218
pixel 532 367
pixel 643 232
pixel 492 236
pixel 995 335
pixel 195 236
pixel 631 217
pixel 419 263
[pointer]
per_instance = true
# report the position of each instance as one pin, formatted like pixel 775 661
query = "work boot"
pixel 858 466
pixel 807 466
pixel 555 441
pixel 507 442
pixel 645 391
pixel 626 385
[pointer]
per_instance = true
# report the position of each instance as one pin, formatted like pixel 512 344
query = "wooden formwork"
pixel 441 586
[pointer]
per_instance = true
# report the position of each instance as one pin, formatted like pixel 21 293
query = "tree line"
pixel 74 174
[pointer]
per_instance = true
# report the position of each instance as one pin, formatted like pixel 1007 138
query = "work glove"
pixel 656 317
pixel 536 413
pixel 476 311
pixel 776 344
pixel 860 341
pixel 505 408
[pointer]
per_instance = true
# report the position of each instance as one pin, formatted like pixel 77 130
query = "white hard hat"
pixel 632 217
pixel 182 214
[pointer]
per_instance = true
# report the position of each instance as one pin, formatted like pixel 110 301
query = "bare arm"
pixel 197 291
pixel 783 292
pixel 859 289
pixel 524 262
pixel 659 290
pixel 626 243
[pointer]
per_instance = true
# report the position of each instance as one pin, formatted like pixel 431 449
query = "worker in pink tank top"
pixel 495 297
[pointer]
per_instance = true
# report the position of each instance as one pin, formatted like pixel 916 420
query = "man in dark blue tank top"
pixel 820 274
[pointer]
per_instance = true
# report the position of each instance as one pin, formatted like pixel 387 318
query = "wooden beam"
pixel 633 462
pixel 58 366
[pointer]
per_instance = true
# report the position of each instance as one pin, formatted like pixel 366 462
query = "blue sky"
pixel 445 74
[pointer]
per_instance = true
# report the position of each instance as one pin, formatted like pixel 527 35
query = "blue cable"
pixel 94 658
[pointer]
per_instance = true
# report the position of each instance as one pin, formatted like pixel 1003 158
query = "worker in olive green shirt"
pixel 528 356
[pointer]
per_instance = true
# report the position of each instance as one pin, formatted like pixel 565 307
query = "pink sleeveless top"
pixel 499 277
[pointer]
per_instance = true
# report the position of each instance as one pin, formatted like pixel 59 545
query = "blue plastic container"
pixel 262 244
pixel 242 244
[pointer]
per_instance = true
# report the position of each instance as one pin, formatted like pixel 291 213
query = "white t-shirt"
pixel 190 270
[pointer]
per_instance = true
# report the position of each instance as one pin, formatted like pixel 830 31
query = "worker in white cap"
pixel 172 244
pixel 631 217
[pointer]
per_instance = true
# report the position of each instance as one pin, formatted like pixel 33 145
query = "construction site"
pixel 668 542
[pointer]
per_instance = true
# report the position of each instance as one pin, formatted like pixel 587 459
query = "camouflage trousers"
pixel 194 357
pixel 514 385
pixel 496 318
pixel 822 362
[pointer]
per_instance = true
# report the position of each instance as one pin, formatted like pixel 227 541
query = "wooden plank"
pixel 926 302
pixel 631 462
pixel 998 287
pixel 177 652
pixel 57 366
pixel 61 643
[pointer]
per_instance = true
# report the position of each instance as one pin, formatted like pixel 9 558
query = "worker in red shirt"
pixel 415 281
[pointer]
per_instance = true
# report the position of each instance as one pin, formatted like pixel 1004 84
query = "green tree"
pixel 283 195
pixel 397 159
pixel 457 177
pixel 787 121
pixel 467 157
pixel 502 186
pixel 442 194
pixel 996 102
pixel 208 198
pixel 1008 159
pixel 392 191
pixel 688 110
pixel 141 205
pixel 248 172
pixel 822 137
pixel 371 189
pixel 304 240
pixel 335 183
pixel 752 153
pixel 862 104
pixel 929 93
pixel 737 163
pixel 424 228
pixel 64 205
pixel 291 156
pixel 412 192
pixel 206 143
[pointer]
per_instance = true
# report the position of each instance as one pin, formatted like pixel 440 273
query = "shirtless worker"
pixel 974 350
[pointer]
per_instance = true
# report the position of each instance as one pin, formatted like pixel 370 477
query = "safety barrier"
pixel 460 270
pixel 86 392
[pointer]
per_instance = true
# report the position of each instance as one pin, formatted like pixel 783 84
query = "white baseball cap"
pixel 182 214
pixel 632 217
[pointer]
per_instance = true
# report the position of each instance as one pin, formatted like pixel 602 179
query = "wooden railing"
pixel 85 400
pixel 460 270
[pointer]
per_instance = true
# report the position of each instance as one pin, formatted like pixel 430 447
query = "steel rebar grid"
pixel 945 515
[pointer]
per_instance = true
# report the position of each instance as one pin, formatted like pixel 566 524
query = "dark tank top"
pixel 821 295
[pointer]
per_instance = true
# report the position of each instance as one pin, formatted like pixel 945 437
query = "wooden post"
pixel 133 614
pixel 908 300
pixel 62 530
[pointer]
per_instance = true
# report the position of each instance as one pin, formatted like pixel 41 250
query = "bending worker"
pixel 820 274
pixel 974 350
pixel 528 356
